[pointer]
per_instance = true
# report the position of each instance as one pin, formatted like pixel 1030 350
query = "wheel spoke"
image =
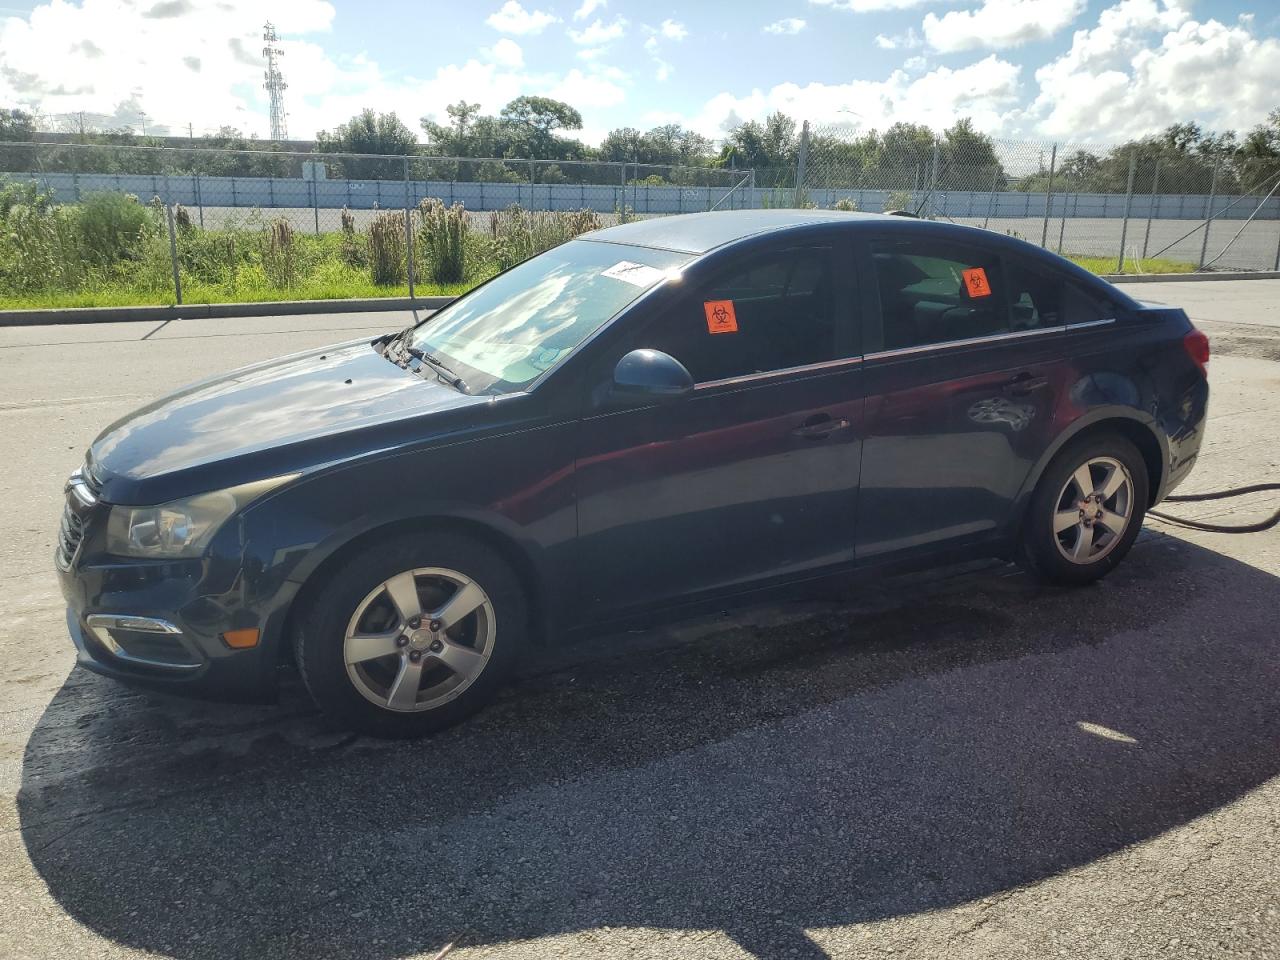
pixel 465 601
pixel 1115 479
pixel 404 690
pixel 1065 520
pixel 1084 543
pixel 370 646
pixel 403 591
pixel 1113 523
pixel 1084 480
pixel 460 659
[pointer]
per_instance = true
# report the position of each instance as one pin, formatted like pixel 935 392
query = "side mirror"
pixel 649 375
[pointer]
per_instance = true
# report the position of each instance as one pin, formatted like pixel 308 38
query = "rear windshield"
pixel 507 333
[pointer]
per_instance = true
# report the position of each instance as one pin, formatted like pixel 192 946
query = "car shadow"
pixel 929 743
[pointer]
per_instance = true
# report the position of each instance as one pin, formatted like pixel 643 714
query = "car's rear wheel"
pixel 409 636
pixel 1086 511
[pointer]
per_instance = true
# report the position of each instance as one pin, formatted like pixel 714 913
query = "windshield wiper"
pixel 442 371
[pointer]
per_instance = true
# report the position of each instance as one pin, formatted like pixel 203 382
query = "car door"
pixel 754 475
pixel 962 372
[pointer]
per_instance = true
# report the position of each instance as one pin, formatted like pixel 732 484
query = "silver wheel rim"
pixel 419 639
pixel 1093 510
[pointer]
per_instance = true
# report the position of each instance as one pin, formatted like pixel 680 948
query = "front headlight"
pixel 182 528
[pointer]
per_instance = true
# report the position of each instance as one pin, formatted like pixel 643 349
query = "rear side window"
pixel 937 293
pixel 774 312
pixel 1035 297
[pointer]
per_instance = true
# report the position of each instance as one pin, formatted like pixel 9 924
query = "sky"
pixel 1095 71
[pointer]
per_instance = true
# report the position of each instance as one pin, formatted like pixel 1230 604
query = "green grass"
pixel 1107 265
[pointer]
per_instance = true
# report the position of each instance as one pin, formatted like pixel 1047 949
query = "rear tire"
pixel 411 635
pixel 1086 511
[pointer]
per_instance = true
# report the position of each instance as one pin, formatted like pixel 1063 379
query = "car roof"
pixel 702 232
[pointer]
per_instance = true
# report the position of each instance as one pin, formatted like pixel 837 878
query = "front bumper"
pixel 161 624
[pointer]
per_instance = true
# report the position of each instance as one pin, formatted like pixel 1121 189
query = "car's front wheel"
pixel 1086 511
pixel 409 636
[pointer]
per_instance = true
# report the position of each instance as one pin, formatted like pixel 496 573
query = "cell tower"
pixel 275 85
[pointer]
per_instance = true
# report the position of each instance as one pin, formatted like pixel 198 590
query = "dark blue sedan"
pixel 644 420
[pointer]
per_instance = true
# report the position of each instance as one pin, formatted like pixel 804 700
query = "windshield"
pixel 507 333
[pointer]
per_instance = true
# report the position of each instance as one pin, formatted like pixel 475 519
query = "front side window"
pixel 774 312
pixel 937 293
pixel 507 333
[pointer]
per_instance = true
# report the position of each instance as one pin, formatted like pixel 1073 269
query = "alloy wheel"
pixel 419 639
pixel 1094 509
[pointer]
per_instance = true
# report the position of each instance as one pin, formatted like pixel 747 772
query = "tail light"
pixel 1197 346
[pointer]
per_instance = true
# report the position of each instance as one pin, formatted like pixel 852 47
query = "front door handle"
pixel 1023 384
pixel 819 427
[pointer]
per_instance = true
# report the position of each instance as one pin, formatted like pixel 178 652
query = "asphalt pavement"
pixel 958 764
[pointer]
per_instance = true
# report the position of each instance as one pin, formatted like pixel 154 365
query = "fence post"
pixel 802 158
pixel 1151 207
pixel 1128 203
pixel 408 229
pixel 1277 265
pixel 315 200
pixel 751 203
pixel 930 197
pixel 173 254
pixel 1062 222
pixel 1208 217
pixel 991 200
pixel 173 242
pixel 199 201
pixel 1048 197
pixel 622 207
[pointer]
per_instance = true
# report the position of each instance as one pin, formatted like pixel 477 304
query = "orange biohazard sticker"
pixel 975 281
pixel 720 316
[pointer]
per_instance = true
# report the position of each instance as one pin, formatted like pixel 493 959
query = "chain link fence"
pixel 1137 208
pixel 111 225
pixel 101 224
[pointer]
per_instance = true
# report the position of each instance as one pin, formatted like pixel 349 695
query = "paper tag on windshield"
pixel 636 274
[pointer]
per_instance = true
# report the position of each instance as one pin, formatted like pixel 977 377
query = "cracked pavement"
pixel 960 763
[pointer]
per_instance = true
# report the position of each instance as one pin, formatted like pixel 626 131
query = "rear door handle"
pixel 819 427
pixel 1023 384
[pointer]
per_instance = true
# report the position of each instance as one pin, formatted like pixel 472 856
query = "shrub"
pixel 442 240
pixel 38 241
pixel 182 218
pixel 847 204
pixel 279 258
pixel 353 254
pixel 386 249
pixel 519 234
pixel 115 226
pixel 899 200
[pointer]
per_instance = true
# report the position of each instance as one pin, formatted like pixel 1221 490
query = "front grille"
pixel 70 534
pixel 82 497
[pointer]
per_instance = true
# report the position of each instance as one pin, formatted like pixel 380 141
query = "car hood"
pixel 281 416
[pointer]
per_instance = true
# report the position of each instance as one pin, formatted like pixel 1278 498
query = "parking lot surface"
pixel 959 764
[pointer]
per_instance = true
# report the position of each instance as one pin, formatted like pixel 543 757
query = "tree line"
pixel 474 146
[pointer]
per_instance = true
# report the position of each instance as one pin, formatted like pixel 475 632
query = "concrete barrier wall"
pixel 294 193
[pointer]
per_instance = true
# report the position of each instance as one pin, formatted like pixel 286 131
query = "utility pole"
pixel 191 134
pixel 142 122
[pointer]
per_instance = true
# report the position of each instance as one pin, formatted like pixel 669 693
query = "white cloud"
pixel 998 24
pixel 870 6
pixel 987 91
pixel 663 71
pixel 592 53
pixel 506 53
pixel 1147 65
pixel 899 41
pixel 511 17
pixel 651 45
pixel 589 7
pixel 914 64
pixel 788 26
pixel 673 30
pixel 599 32
pixel 589 89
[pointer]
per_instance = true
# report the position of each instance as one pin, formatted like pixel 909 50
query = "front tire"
pixel 1086 511
pixel 411 635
